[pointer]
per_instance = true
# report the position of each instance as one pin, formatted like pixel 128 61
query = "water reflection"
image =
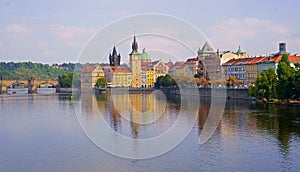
pixel 282 122
pixel 128 115
pixel 41 132
pixel 135 115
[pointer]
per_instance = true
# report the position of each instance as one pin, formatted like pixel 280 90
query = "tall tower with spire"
pixel 135 64
pixel 114 58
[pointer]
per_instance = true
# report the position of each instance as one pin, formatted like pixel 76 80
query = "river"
pixel 62 133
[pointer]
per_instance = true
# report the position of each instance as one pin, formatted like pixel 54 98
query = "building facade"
pixel 90 75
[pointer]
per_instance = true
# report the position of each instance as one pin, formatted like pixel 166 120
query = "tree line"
pixel 284 84
pixel 28 70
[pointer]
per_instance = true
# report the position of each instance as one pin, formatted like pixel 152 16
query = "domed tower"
pixel 145 56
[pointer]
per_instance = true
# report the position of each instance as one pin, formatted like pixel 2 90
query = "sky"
pixel 57 31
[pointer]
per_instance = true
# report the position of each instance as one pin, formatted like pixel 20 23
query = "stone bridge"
pixel 32 85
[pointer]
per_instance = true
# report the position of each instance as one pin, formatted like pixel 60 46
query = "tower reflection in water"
pixel 132 115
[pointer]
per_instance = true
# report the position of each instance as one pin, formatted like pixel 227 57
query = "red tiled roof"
pixel 88 69
pixel 169 64
pixel 230 62
pixel 120 69
pixel 179 63
pixel 255 60
pixel 294 59
pixel 261 59
pixel 191 60
pixel 276 59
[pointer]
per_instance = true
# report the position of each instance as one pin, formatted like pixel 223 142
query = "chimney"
pixel 282 47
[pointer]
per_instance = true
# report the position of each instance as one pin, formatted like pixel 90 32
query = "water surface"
pixel 42 133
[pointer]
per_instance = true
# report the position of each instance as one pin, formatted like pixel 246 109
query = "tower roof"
pixel 145 56
pixel 134 45
pixel 206 48
pixel 239 51
pixel 114 53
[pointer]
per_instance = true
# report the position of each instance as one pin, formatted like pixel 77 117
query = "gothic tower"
pixel 135 65
pixel 114 58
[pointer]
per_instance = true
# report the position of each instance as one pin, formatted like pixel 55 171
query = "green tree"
pixel 296 81
pixel 158 82
pixel 67 81
pixel 101 82
pixel 164 81
pixel 284 85
pixel 253 91
pixel 262 85
pixel 271 75
pixel 265 85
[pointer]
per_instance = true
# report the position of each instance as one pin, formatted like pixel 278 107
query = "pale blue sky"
pixel 55 31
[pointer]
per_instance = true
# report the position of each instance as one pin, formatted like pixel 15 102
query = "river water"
pixel 59 133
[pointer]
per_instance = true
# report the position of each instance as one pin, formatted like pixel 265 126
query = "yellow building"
pixel 150 79
pixel 90 75
pixel 252 68
pixel 122 77
pixel 226 56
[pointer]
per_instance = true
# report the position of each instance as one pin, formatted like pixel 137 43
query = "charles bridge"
pixel 31 84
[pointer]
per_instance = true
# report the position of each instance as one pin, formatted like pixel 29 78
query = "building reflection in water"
pixel 131 114
pixel 149 115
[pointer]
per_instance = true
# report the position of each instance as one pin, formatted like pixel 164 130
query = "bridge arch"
pixel 17 84
pixel 47 85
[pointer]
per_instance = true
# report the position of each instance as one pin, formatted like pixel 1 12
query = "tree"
pixel 201 81
pixel 262 84
pixel 284 85
pixel 253 91
pixel 232 80
pixel 101 82
pixel 296 81
pixel 158 82
pixel 164 81
pixel 271 75
pixel 265 85
pixel 67 81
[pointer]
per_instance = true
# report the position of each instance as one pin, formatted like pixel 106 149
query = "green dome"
pixel 239 51
pixel 145 56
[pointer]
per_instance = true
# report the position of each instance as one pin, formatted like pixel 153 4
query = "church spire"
pixel 134 45
pixel 114 53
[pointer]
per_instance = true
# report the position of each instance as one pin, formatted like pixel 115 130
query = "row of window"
pixel 231 69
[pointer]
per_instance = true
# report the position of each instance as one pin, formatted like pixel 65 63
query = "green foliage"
pixel 27 70
pixel 164 81
pixel 253 91
pixel 272 79
pixel 69 80
pixel 265 85
pixel 101 82
pixel 285 79
pixel 296 81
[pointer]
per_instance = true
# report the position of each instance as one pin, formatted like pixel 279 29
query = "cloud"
pixel 70 32
pixel 73 36
pixel 18 29
pixel 233 32
pixel 248 27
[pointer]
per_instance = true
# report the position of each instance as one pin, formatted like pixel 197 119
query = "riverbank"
pixel 278 102
pixel 203 92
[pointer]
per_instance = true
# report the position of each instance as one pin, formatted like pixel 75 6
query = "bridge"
pixel 31 84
